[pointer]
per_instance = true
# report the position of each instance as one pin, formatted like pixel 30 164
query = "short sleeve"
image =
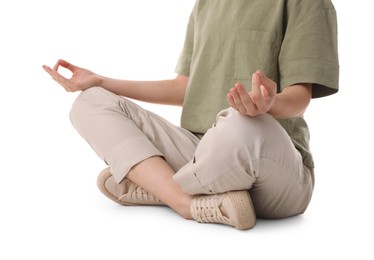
pixel 184 61
pixel 309 51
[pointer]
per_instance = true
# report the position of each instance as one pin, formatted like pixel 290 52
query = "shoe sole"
pixel 243 203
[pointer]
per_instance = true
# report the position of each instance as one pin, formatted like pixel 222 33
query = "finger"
pixel 58 78
pixel 51 72
pixel 264 79
pixel 231 101
pixel 61 80
pixel 243 94
pixel 264 92
pixel 269 87
pixel 256 84
pixel 237 102
pixel 243 101
pixel 257 92
pixel 236 99
pixel 56 65
pixel 47 69
pixel 67 65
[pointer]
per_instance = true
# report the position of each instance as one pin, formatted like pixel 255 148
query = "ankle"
pixel 184 209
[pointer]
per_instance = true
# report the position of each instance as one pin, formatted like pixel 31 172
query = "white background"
pixel 50 207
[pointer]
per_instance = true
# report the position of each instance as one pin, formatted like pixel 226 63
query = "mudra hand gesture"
pixel 80 80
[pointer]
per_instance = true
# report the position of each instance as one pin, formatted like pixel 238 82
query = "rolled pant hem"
pixel 189 182
pixel 124 156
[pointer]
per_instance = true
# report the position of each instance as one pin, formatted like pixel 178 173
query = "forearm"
pixel 292 102
pixel 168 92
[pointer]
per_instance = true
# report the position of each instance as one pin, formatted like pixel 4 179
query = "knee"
pixel 86 101
pixel 239 137
pixel 237 130
pixel 85 105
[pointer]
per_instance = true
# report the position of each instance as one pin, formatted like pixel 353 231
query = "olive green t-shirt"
pixel 291 41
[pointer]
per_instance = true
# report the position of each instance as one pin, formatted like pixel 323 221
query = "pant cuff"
pixel 187 179
pixel 127 154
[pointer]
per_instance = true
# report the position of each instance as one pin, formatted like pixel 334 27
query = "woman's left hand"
pixel 256 102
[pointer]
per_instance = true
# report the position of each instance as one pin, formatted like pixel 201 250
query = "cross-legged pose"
pixel 246 74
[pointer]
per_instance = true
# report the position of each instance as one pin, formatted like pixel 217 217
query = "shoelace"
pixel 138 194
pixel 207 210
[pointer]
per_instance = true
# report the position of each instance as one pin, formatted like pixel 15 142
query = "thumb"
pixel 256 84
pixel 268 86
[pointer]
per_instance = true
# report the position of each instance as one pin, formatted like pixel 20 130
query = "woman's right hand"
pixel 81 79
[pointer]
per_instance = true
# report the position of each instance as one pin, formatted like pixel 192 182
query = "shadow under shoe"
pixel 126 192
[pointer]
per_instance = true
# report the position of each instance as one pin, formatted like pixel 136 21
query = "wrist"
pixel 274 106
pixel 99 80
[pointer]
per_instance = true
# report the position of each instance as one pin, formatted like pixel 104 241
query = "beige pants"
pixel 237 153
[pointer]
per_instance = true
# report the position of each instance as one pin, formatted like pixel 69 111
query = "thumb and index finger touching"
pixel 62 63
pixel 57 76
pixel 65 64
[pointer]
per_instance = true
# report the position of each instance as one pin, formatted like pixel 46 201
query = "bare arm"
pixel 170 92
pixel 292 102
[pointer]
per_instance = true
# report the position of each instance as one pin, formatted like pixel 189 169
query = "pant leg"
pixel 123 134
pixel 254 153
